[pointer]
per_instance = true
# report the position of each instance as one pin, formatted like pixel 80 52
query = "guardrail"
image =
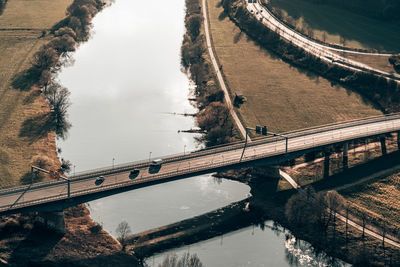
pixel 299 145
pixel 211 150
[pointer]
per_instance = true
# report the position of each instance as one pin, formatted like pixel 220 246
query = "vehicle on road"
pixel 156 162
pixel 99 180
pixel 134 173
pixel 155 166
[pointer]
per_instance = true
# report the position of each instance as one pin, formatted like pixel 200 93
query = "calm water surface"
pixel 125 83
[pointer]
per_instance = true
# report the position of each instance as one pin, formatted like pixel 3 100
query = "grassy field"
pixel 357 30
pixel 280 96
pixel 379 200
pixel 16 49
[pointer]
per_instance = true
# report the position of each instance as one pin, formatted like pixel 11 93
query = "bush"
pixel 94 229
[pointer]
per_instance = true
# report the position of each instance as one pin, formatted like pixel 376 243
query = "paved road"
pixel 219 76
pixel 322 51
pixel 206 160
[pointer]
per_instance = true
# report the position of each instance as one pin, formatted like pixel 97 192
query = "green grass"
pixel 358 31
pixel 280 96
pixel 16 50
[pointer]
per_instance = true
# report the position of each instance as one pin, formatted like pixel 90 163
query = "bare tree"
pixel 45 80
pixel 65 31
pixel 58 98
pixel 186 260
pixel 45 59
pixel 324 37
pixel 347 208
pixel 123 230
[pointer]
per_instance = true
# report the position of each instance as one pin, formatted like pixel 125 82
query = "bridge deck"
pixel 203 161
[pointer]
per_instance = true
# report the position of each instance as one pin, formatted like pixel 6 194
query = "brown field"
pixel 37 14
pixel 279 96
pixel 16 106
pixel 379 200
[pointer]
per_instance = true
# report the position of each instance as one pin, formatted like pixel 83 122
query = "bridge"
pixel 57 195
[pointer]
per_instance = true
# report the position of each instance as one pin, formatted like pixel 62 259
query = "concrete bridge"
pixel 57 195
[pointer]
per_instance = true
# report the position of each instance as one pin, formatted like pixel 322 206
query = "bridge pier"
pixel 346 156
pixel 52 221
pixel 382 139
pixel 267 178
pixel 327 159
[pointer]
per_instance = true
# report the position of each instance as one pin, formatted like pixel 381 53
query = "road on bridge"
pixel 207 160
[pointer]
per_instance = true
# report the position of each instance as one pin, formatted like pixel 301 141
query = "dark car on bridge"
pixel 134 173
pixel 99 180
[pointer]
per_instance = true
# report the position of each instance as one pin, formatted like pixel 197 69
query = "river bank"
pixel 23 243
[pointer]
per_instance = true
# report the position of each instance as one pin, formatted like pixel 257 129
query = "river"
pixel 126 84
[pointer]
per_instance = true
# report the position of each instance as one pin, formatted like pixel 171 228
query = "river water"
pixel 126 84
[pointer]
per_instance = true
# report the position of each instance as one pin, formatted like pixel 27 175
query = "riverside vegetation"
pixel 213 115
pixel 33 112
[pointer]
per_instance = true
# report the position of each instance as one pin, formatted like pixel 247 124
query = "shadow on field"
pixel 29 178
pixel 35 247
pixel 31 97
pixel 24 80
pixel 223 15
pixel 238 37
pixel 37 127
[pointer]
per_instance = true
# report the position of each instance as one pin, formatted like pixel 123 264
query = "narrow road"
pixel 219 75
pixel 321 51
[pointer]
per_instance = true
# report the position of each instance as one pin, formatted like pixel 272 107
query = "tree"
pixel 45 80
pixel 324 37
pixel 186 260
pixel 123 230
pixel 65 166
pixel 58 98
pixel 65 31
pixel 62 44
pixel 45 59
pixel 193 26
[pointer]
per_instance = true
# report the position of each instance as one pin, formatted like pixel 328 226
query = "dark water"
pixel 357 30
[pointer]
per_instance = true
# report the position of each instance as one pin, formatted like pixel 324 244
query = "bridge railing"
pixel 212 150
pixel 334 137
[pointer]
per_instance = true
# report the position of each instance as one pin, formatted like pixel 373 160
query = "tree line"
pixel 213 116
pixel 47 61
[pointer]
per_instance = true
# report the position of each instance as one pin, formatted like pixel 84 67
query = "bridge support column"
pixel 383 144
pixel 398 140
pixel 327 159
pixel 267 178
pixel 52 221
pixel 346 156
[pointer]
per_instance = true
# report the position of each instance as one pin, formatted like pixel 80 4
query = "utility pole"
pixel 53 174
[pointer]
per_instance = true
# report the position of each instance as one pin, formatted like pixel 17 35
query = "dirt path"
pixel 219 75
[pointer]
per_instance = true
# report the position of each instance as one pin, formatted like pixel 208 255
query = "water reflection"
pixel 253 246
